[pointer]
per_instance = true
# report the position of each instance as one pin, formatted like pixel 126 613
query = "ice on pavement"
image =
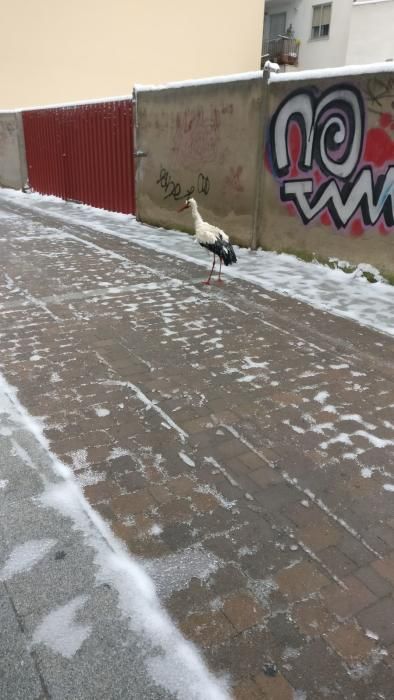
pixel 347 295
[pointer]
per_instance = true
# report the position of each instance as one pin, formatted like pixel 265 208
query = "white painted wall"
pixel 315 53
pixel 371 36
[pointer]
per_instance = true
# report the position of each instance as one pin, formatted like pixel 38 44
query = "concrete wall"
pixel 315 53
pixel 53 52
pixel 331 193
pixel 371 32
pixel 200 140
pixel 13 171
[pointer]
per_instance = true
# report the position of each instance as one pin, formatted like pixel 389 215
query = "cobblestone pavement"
pixel 240 443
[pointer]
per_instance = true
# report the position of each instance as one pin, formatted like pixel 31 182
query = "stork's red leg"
pixel 208 281
pixel 220 281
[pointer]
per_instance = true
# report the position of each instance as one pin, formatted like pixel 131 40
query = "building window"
pixel 321 20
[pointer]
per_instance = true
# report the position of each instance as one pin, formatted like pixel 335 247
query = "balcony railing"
pixel 283 50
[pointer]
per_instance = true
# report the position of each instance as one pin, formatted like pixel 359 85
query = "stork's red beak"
pixel 185 206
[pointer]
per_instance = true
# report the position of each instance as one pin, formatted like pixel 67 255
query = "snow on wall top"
pixel 60 105
pixel 235 77
pixel 341 71
pixel 369 2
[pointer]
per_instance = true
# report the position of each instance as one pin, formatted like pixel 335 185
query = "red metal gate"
pixel 83 153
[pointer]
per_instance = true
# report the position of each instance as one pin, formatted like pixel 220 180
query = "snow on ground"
pixel 59 630
pixel 25 556
pixel 174 663
pixel 347 295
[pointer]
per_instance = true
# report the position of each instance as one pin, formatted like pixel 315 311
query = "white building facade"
pixel 304 34
pixel 371 33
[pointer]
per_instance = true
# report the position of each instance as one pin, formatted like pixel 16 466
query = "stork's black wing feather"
pixel 223 249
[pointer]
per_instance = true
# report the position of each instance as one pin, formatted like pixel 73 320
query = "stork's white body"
pixel 205 233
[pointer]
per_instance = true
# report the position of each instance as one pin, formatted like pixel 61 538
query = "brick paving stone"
pixel 197 424
pixel 103 491
pixel 385 568
pixel 337 562
pixel 377 585
pixel 300 580
pixel 277 496
pixel 351 643
pixel 132 481
pixel 274 688
pixel 222 545
pixel 285 632
pixel 347 602
pixel 133 503
pixel 91 439
pixel 230 448
pixel 160 493
pixel 319 535
pixel 178 509
pixel 181 486
pixel 328 677
pixel 264 476
pixel 245 654
pixel 196 597
pixel 254 461
pixel 247 690
pixel 106 512
pixel 228 579
pixel 244 481
pixel 303 515
pixel 95 454
pixel 243 611
pixel 176 534
pixel 355 550
pixel 207 628
pixel 381 539
pixel 380 619
pixel 312 618
pixel 385 533
pixel 204 502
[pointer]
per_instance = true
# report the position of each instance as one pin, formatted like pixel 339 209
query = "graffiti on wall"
pixel 172 188
pixel 329 165
pixel 197 133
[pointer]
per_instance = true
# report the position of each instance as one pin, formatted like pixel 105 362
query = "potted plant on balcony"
pixel 293 52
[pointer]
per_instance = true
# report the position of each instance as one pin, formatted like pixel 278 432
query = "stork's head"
pixel 189 202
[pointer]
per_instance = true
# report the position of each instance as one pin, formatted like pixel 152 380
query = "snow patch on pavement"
pixel 186 459
pixel 60 632
pixel 25 556
pixel 101 412
pixel 175 571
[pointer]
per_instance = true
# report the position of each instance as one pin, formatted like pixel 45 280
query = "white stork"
pixel 212 238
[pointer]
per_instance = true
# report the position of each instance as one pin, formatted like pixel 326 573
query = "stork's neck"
pixel 195 214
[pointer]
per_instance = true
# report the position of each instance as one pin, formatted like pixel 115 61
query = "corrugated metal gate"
pixel 83 153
